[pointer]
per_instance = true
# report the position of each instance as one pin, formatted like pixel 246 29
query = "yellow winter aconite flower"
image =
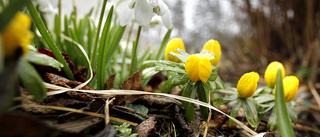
pixel 198 67
pixel 171 46
pixel 290 87
pixel 247 84
pixel 17 34
pixel 270 75
pixel 213 46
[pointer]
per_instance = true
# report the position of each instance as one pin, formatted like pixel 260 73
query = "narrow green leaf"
pixel 133 65
pixel 44 32
pixel 43 59
pixel 174 81
pixel 190 92
pixel 250 111
pixel 31 80
pixel 284 122
pixel 109 51
pixel 203 95
pixel 94 51
pixel 102 51
pixel 163 45
pixel 234 111
pixel 10 10
pixel 57 31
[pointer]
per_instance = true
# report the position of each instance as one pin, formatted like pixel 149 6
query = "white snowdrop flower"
pixel 143 11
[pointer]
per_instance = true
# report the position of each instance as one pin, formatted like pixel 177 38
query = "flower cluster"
pixel 17 34
pixel 143 11
pixel 248 82
pixel 197 66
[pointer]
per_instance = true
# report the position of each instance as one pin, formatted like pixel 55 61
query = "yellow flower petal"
pixel 198 67
pixel 247 84
pixel 290 87
pixel 213 46
pixel 171 46
pixel 270 75
pixel 17 34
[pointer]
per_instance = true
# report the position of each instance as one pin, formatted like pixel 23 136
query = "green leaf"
pixel 183 56
pixel 203 95
pixel 272 123
pixel 234 111
pixel 149 63
pixel 97 36
pixel 138 107
pixel 31 80
pixel 292 113
pixel 220 83
pixel 264 98
pixel 43 59
pixel 110 50
pixel 250 111
pixel 133 65
pixel 224 99
pixel 174 81
pixel 10 10
pixel 163 45
pixel 213 86
pixel 103 51
pixel 228 90
pixel 283 120
pixel 189 91
pixel 44 32
pixel 214 74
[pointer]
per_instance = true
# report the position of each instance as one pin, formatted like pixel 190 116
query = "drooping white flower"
pixel 143 11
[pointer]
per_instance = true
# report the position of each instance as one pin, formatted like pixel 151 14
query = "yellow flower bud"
pixel 17 34
pixel 213 46
pixel 171 46
pixel 270 75
pixel 290 87
pixel 247 84
pixel 198 67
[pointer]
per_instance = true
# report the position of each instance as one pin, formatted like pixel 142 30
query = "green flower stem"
pixel 163 45
pixel 133 65
pixel 93 56
pixel 284 123
pixel 44 32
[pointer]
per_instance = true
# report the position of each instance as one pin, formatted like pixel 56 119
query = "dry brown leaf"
pixel 146 126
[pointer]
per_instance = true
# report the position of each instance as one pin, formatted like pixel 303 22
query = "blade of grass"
pixel 92 59
pixel 163 45
pixel 10 10
pixel 111 50
pixel 44 32
pixel 284 123
pixel 133 65
pixel 101 51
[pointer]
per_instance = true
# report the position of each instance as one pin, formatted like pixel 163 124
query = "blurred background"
pixel 252 33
